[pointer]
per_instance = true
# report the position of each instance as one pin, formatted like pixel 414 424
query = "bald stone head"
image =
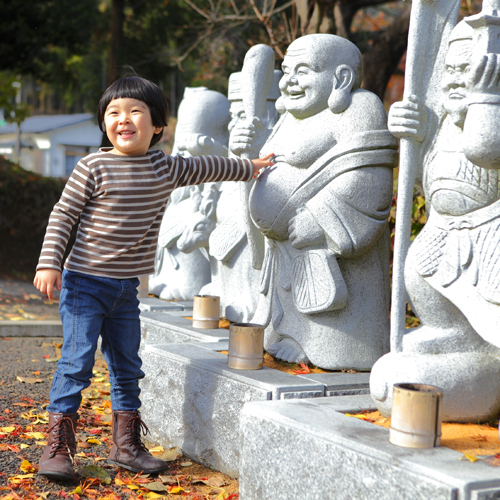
pixel 319 71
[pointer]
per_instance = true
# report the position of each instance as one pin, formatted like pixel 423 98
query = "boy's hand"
pixel 45 280
pixel 261 163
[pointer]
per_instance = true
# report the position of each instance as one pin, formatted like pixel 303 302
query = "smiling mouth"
pixel 295 93
pixel 126 133
pixel 456 95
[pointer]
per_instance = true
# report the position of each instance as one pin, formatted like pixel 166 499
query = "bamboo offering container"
pixel 416 416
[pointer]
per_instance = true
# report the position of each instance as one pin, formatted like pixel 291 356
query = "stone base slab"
pixel 191 399
pixel 155 304
pixel 173 328
pixel 48 328
pixel 309 449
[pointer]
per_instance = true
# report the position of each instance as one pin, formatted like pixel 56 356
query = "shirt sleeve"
pixel 64 216
pixel 200 169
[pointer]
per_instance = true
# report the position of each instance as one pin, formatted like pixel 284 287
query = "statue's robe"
pixel 458 251
pixel 332 298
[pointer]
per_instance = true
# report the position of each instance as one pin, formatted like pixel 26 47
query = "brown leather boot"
pixel 57 458
pixel 128 451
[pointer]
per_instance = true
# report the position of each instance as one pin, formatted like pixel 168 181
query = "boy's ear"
pixel 158 130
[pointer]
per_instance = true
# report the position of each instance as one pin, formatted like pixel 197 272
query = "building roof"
pixel 46 123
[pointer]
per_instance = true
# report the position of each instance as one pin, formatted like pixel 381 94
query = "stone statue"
pixel 201 129
pixel 452 270
pixel 323 209
pixel 234 279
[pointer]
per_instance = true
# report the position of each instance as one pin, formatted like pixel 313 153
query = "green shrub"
pixel 26 200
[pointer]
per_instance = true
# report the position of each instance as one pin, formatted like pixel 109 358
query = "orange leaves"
pixel 305 370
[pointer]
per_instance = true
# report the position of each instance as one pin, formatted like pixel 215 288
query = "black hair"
pixel 136 87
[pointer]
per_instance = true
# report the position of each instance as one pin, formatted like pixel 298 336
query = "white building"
pixel 50 144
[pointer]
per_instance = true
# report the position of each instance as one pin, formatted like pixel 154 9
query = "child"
pixel 120 195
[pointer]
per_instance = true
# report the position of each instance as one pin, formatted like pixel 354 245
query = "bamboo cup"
pixel 206 311
pixel 416 416
pixel 246 346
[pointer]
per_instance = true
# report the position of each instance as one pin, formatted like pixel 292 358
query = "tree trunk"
pixel 116 29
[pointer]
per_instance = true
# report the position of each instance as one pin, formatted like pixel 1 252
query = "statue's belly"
pixel 269 195
pixel 458 187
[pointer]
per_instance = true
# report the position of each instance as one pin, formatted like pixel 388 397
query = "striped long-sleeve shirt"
pixel 120 201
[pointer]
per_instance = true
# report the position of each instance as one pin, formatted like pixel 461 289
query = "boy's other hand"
pixel 261 163
pixel 45 279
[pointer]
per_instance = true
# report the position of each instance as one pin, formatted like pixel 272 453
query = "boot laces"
pixel 60 444
pixel 134 426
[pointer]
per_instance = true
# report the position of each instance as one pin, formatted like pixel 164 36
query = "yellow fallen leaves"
pixel 39 418
pixel 27 467
pixel 39 436
pixel 7 430
pixel 94 441
pixel 470 458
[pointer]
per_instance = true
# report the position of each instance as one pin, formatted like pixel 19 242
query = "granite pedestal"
pixel 309 449
pixel 191 399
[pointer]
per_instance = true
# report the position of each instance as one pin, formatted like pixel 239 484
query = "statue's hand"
pixel 243 135
pixel 408 119
pixel 304 231
pixel 198 144
pixel 484 76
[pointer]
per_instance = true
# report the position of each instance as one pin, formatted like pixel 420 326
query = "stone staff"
pixel 428 20
pixel 256 79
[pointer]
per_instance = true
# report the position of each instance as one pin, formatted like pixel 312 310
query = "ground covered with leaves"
pixel 26 369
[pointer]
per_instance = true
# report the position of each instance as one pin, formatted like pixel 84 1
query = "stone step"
pixel 31 328
pixel 191 399
pixel 310 449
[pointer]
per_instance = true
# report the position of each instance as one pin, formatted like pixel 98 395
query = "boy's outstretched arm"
pixel 261 163
pixel 45 279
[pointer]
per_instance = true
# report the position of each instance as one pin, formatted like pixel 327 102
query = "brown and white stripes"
pixel 120 201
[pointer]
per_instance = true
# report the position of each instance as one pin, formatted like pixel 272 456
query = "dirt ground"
pixel 27 365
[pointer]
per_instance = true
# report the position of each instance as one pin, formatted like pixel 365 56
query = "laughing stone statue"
pixel 323 208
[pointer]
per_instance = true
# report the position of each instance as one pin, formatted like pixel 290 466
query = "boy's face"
pixel 129 126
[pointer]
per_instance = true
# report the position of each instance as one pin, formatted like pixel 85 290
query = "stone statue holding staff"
pixel 452 270
pixel 323 210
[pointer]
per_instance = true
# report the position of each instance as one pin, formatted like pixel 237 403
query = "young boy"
pixel 120 195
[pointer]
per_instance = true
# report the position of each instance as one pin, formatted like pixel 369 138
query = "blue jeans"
pixel 91 306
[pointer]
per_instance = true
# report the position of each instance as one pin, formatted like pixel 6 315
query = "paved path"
pixel 25 312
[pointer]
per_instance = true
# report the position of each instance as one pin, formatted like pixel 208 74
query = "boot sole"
pixel 56 476
pixel 133 469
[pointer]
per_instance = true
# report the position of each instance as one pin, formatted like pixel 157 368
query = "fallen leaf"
pixel 27 466
pixel 156 449
pixel 186 464
pixel 91 394
pixel 156 486
pixel 35 435
pixel 152 494
pixel 169 455
pixel 305 370
pixel 176 489
pixel 214 482
pixel 29 380
pixel 170 480
pixel 94 441
pixel 94 471
pixel 470 458
pixel 24 446
pixel 7 430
